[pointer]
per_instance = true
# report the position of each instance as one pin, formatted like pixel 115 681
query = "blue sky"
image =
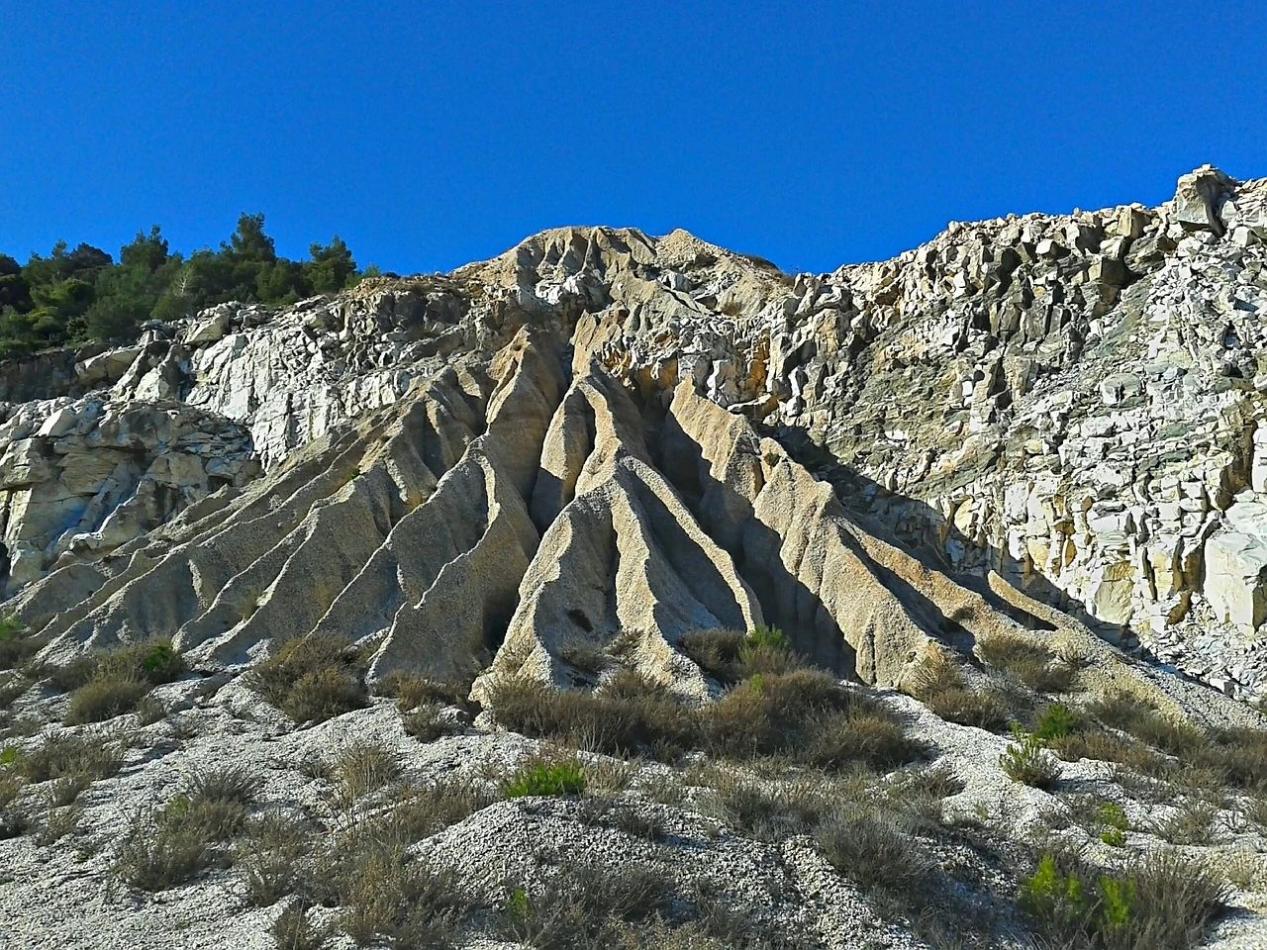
pixel 430 134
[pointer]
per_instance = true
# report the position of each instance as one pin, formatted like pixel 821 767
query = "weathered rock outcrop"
pixel 1071 403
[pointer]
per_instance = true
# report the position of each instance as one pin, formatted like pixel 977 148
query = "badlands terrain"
pixel 625 591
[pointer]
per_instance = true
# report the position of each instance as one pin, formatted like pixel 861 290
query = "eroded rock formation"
pixel 600 434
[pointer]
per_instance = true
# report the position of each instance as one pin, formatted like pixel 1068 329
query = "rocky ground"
pixel 693 824
pixel 402 616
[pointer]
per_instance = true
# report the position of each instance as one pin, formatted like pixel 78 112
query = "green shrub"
pixel 1028 761
pixel 1113 837
pixel 1112 815
pixel 1056 722
pixel 546 778
pixel 766 638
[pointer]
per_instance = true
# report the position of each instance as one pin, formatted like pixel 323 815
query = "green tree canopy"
pixel 82 295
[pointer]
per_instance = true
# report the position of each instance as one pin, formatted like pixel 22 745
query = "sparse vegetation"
pixel 16 646
pixel 875 847
pixel 104 697
pixel 426 723
pixel 1191 823
pixel 423 810
pixel 411 691
pixel 158 852
pixel 581 909
pixel 363 768
pixel 272 854
pixel 58 823
pixel 1158 901
pixel 88 754
pixel 311 679
pixel 1028 662
pixel 112 683
pixel 169 846
pixel 801 714
pixel 732 655
pixel 294 930
pixel 940 686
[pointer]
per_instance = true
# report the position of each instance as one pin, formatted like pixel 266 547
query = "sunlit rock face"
pixel 1043 421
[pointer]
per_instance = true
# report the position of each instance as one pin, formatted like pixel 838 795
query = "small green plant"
pixel 1117 903
pixel 767 650
pixel 1111 815
pixel 546 778
pixel 1058 900
pixel 160 663
pixel 9 756
pixel 1113 837
pixel 1028 761
pixel 1055 722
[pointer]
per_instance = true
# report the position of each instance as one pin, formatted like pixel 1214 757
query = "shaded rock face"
pixel 602 435
pixel 80 477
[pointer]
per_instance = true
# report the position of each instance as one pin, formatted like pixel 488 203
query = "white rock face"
pixel 1073 401
pixel 1236 565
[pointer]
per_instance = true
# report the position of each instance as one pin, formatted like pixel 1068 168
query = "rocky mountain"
pixel 1033 440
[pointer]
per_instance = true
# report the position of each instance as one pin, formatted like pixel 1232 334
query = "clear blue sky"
pixel 430 134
